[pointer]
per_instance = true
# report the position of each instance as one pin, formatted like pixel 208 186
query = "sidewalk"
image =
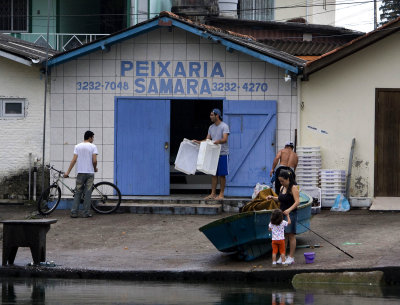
pixel 143 246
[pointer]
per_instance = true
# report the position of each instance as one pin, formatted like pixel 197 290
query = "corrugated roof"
pixel 282 26
pixel 24 49
pixel 247 42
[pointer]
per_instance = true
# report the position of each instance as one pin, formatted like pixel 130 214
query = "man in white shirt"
pixel 85 154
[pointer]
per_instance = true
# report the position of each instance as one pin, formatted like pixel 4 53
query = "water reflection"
pixel 9 292
pixel 56 291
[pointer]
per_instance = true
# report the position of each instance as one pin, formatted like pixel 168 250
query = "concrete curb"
pixel 391 275
pixel 358 278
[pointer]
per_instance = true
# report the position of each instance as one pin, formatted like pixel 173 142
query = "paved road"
pixel 132 242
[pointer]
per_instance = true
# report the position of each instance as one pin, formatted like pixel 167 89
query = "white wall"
pixel 21 136
pixel 73 111
pixel 341 100
pixel 311 10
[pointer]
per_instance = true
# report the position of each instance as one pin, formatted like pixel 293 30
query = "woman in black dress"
pixel 289 199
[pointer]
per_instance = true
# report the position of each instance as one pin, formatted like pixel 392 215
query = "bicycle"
pixel 106 197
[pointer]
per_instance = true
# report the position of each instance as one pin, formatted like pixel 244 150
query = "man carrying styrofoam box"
pixel 218 132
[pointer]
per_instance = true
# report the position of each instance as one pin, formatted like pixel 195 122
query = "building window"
pixel 12 108
pixel 13 15
pixel 261 10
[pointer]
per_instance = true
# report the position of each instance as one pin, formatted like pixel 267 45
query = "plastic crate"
pixel 333 171
pixel 326 193
pixel 307 148
pixel 309 157
pixel 308 167
pixel 303 175
pixel 333 183
pixel 306 171
pixel 332 175
pixel 327 202
pixel 309 154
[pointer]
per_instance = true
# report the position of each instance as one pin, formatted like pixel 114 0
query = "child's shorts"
pixel 278 245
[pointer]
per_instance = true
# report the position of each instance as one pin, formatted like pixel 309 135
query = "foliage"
pixel 390 10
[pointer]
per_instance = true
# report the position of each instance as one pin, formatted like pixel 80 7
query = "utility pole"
pixel 375 17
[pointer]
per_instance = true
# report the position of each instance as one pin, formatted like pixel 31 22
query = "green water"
pixel 56 291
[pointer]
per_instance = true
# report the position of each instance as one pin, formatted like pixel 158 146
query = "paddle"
pixel 325 240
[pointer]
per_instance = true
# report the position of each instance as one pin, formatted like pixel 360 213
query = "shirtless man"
pixel 287 159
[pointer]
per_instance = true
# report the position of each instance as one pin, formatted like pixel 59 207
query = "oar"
pixel 325 240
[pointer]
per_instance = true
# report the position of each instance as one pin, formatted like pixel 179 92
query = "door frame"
pixel 171 98
pixel 377 91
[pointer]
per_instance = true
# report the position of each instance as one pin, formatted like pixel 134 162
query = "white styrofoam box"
pixel 186 159
pixel 207 160
pixel 333 181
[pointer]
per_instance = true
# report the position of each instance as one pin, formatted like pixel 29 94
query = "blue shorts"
pixel 222 169
pixel 292 227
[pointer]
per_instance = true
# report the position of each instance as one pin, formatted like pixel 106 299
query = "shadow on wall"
pixel 16 185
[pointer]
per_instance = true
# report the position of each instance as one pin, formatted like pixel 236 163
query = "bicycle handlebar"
pixel 52 167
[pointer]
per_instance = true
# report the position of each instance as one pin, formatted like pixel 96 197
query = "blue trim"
pixel 169 98
pixel 106 43
pixel 101 45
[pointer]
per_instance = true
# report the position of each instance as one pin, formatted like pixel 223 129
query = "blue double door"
pixel 142 139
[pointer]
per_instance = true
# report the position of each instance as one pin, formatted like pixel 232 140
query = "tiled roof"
pixel 23 49
pixel 352 47
pixel 302 48
pixel 246 41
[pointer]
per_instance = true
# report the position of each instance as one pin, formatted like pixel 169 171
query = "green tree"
pixel 390 10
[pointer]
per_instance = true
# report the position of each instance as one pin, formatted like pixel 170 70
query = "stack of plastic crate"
pixel 307 171
pixel 333 183
pixel 307 174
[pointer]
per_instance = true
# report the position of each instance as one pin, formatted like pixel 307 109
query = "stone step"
pixel 178 205
pixel 229 204
pixel 170 208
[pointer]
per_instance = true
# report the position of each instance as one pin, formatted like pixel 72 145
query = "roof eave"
pixel 349 49
pixel 16 58
pixel 104 43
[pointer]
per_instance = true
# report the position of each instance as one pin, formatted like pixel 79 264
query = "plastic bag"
pixel 341 204
pixel 258 188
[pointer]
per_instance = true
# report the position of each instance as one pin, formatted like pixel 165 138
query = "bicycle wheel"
pixel 49 200
pixel 106 197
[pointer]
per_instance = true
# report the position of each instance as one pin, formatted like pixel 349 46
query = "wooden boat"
pixel 247 235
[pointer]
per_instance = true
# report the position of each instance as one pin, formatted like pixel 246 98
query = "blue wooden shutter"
pixel 142 161
pixel 251 144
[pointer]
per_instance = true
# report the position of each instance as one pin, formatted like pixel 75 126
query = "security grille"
pixel 13 15
pixel 261 10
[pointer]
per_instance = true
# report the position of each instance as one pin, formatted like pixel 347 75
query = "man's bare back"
pixel 288 158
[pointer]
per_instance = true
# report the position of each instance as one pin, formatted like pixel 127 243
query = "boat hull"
pixel 247 233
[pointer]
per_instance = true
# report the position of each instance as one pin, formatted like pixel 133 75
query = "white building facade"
pixel 170 67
